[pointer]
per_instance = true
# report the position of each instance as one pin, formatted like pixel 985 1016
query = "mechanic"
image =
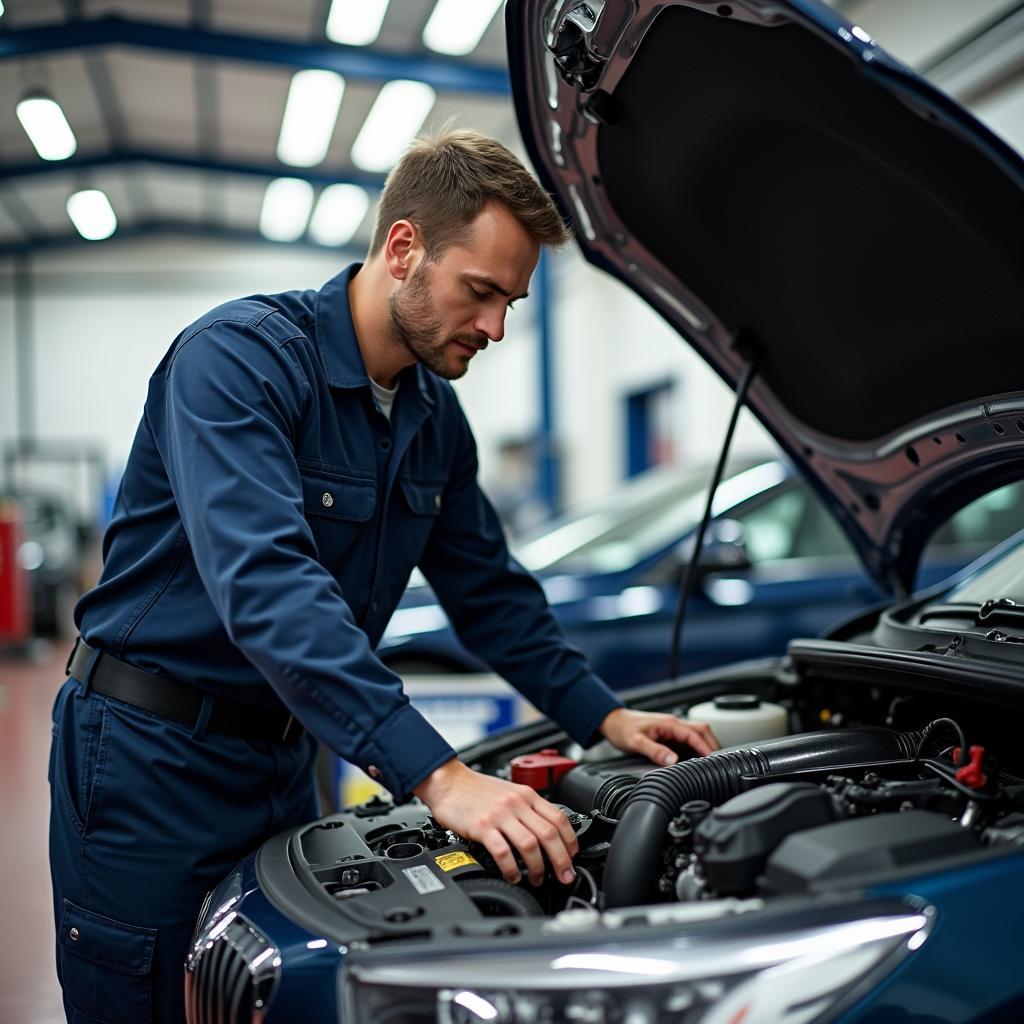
pixel 298 455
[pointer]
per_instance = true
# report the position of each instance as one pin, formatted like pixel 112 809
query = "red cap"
pixel 971 774
pixel 542 770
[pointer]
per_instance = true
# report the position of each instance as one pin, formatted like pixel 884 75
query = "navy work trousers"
pixel 146 817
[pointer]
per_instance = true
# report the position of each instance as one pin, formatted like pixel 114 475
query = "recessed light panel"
pixel 310 115
pixel 91 213
pixel 457 26
pixel 286 207
pixel 355 22
pixel 339 212
pixel 46 126
pixel 397 115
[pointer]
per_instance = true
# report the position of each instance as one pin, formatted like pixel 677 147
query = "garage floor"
pixel 28 984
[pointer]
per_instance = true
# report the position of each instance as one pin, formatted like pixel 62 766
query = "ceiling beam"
pixel 183 161
pixel 162 228
pixel 355 62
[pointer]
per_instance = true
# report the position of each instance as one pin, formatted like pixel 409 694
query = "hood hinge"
pixel 571 37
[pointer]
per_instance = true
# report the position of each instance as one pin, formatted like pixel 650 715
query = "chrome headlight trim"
pixel 682 977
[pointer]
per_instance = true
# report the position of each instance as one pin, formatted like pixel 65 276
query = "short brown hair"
pixel 443 181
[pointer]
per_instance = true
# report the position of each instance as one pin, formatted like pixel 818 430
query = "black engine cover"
pixel 822 857
pixel 735 840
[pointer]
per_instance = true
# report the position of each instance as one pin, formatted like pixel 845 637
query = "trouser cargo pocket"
pixel 105 966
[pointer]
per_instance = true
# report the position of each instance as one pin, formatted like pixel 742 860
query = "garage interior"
pixel 158 157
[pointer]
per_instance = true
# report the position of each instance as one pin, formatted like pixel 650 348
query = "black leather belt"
pixel 178 701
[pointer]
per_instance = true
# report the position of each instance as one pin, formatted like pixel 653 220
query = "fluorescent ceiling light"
pixel 286 206
pixel 91 213
pixel 457 26
pixel 310 114
pixel 339 212
pixel 397 115
pixel 45 124
pixel 355 22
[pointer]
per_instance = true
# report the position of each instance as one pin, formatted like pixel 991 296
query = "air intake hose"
pixel 634 860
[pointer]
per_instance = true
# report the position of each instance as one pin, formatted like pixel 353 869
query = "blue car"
pixel 801 206
pixel 776 565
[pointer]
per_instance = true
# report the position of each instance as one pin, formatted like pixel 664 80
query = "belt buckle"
pixel 292 730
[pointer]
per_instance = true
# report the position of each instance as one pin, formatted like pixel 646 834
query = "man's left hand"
pixel 643 732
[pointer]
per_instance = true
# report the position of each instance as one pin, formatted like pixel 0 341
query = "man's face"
pixel 448 309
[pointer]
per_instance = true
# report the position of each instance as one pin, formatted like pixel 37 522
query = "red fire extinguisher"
pixel 14 587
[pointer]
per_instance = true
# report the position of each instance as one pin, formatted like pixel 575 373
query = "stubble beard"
pixel 418 327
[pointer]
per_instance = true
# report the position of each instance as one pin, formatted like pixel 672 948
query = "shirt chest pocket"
pixel 421 506
pixel 339 510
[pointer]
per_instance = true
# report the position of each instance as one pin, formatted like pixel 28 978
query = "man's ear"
pixel 400 249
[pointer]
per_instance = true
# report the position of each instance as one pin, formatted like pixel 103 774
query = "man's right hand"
pixel 502 816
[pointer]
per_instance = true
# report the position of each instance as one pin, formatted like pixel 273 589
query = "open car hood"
pixel 777 186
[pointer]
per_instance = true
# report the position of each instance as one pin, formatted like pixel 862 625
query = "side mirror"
pixel 725 550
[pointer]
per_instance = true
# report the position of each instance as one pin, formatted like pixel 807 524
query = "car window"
pixel 794 524
pixel 771 529
pixel 819 535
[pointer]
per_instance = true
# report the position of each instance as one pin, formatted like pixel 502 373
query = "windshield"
pixel 1004 578
pixel 617 538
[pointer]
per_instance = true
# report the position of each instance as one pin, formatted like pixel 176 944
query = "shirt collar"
pixel 336 339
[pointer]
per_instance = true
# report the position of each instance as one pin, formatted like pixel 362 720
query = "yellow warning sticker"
pixel 451 861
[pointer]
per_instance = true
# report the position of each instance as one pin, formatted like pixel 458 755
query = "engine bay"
pixel 879 791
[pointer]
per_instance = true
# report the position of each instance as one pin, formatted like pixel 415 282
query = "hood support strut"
pixel 748 347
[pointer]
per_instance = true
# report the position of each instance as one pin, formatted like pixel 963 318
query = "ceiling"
pixel 176 104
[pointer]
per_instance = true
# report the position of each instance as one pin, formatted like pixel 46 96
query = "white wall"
pixel 103 316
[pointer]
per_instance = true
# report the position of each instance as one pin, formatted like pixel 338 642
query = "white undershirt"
pixel 384 397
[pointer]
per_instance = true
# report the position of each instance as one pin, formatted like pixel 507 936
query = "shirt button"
pixel 375 607
pixel 327 499
pixel 385 444
pixel 74 934
pixel 437 501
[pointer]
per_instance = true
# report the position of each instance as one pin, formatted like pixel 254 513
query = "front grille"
pixel 230 975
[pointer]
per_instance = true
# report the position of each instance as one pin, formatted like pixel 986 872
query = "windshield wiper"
pixel 1000 608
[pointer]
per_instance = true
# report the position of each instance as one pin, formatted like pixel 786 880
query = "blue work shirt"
pixel 269 518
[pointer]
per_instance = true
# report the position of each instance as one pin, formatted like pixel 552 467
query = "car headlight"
pixel 796 974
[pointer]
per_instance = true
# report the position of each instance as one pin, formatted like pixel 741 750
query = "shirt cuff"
pixel 583 708
pixel 403 750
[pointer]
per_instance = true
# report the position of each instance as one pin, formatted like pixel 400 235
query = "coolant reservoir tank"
pixel 741 718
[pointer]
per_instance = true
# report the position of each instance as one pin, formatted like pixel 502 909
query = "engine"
pixel 796 814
